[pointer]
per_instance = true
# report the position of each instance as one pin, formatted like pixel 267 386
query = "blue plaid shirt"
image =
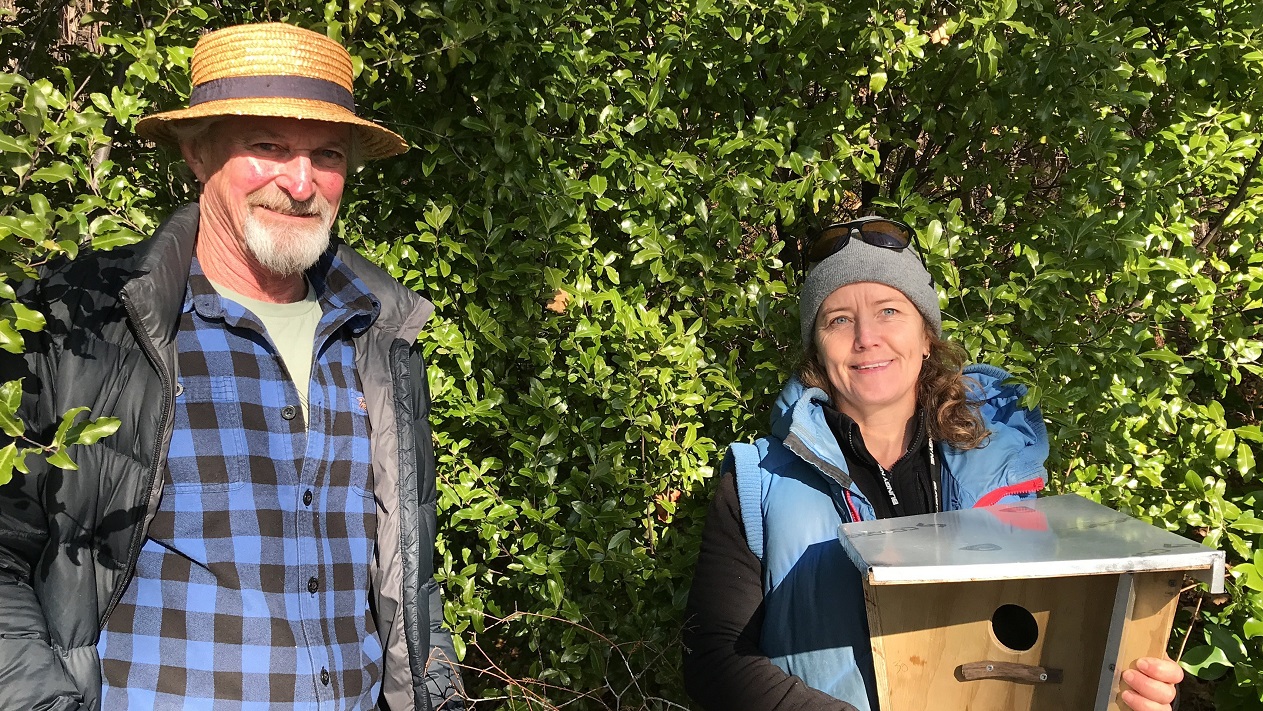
pixel 252 588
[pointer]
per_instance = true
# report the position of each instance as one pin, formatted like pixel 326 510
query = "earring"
pixel 925 356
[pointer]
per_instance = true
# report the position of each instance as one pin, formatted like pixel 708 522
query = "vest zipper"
pixel 138 538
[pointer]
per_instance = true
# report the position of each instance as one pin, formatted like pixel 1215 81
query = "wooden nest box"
pixel 1038 606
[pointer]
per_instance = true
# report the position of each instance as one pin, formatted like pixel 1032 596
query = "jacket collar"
pixel 798 420
pixel 157 290
pixel 1014 452
pixel 403 311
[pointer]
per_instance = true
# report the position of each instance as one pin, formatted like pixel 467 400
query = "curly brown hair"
pixel 942 391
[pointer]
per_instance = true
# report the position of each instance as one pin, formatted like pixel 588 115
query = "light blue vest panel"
pixel 815 626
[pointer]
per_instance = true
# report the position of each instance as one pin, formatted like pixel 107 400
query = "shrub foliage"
pixel 607 203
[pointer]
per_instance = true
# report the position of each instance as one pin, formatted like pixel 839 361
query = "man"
pixel 259 532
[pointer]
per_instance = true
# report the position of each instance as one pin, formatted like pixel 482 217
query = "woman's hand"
pixel 1152 683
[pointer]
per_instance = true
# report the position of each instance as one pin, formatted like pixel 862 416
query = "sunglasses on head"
pixel 877 231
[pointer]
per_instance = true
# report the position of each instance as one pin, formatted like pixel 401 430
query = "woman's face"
pixel 871 342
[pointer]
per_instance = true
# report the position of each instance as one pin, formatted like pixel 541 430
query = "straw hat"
pixel 273 69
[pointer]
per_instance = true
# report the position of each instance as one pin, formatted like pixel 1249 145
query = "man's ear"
pixel 194 156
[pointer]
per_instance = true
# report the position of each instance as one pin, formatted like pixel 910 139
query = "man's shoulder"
pixel 97 270
pixel 108 270
pixel 374 277
pixel 84 292
pixel 404 311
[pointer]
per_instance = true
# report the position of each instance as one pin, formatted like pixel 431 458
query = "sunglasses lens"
pixel 881 233
pixel 826 244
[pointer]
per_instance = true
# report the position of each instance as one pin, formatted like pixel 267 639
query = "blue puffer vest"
pixel 795 490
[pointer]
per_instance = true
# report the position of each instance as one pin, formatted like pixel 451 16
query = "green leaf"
pixel 61 459
pixel 67 421
pixel 877 82
pixel 1225 444
pixel 10 400
pixel 10 339
pixel 436 217
pixel 8 461
pixel 1194 483
pixel 53 173
pixel 8 81
pixel 598 185
pixel 9 144
pixel 1205 662
pixel 1163 355
pixel 22 317
pixel 116 238
pixel 1248 524
pixel 618 539
pixel 93 430
pixel 1227 642
pixel 1245 460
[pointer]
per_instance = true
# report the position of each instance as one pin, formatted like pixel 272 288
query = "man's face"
pixel 272 184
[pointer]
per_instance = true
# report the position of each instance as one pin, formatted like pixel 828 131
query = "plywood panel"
pixel 922 633
pixel 1147 628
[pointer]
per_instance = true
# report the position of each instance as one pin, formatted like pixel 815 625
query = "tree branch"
pixel 1246 178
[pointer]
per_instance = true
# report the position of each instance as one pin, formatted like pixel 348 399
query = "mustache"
pixel 276 200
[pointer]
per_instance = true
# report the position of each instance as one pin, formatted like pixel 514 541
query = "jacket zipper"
pixel 850 504
pixel 138 538
pixel 936 504
pixel 881 471
pixel 1029 486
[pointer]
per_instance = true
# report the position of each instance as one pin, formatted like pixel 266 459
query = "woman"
pixel 880 421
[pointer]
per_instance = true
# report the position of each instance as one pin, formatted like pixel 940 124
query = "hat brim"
pixel 374 140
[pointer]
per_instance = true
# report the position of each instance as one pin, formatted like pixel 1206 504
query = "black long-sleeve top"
pixel 724 669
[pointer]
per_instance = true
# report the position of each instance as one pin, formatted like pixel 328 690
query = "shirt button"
pixel 307 498
pixel 313 585
pixel 324 676
pixel 289 411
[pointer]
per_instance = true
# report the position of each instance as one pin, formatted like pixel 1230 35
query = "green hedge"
pixel 606 201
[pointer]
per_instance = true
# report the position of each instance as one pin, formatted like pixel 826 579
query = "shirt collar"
pixel 340 293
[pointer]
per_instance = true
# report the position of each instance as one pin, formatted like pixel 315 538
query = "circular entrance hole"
pixel 1015 627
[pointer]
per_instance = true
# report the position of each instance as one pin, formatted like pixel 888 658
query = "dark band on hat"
pixel 273 87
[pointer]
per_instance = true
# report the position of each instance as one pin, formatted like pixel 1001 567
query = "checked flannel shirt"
pixel 251 590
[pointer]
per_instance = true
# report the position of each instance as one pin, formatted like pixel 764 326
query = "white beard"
pixel 289 250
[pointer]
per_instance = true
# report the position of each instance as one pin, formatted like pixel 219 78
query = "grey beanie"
pixel 858 262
